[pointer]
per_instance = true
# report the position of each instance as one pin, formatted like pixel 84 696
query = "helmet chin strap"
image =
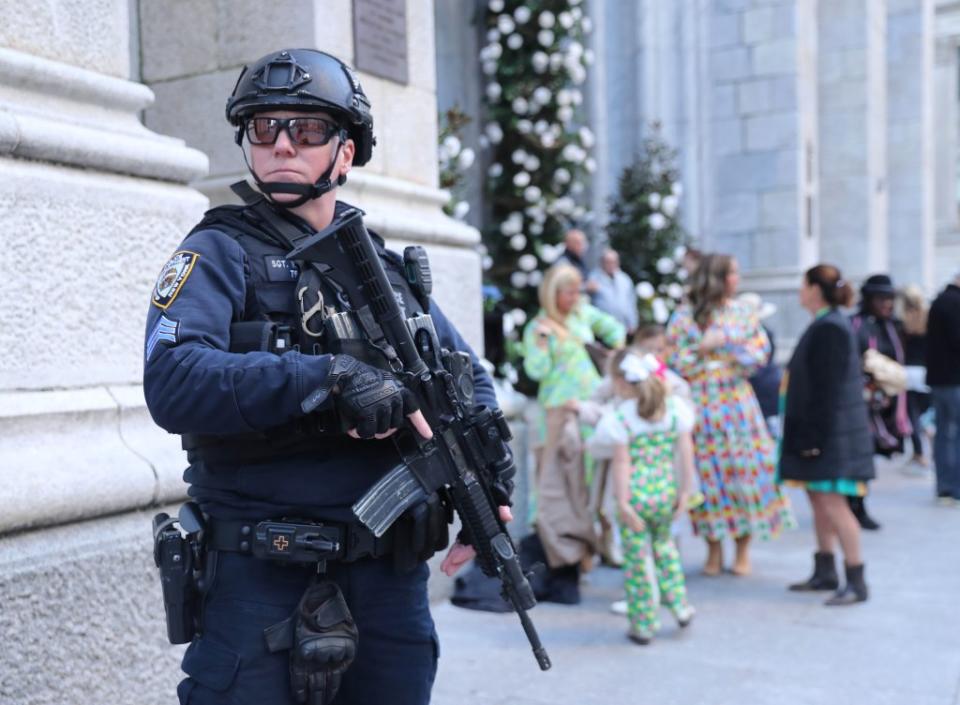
pixel 306 192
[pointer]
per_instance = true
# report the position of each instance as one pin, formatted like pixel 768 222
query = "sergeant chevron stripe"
pixel 165 329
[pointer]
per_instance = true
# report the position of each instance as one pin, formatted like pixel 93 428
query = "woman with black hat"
pixel 826 444
pixel 877 330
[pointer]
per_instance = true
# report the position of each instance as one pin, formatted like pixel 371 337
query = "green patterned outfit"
pixel 564 369
pixel 653 496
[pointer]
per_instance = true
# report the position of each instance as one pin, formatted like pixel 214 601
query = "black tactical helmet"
pixel 305 79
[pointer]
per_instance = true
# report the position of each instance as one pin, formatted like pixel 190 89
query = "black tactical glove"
pixel 324 644
pixel 369 399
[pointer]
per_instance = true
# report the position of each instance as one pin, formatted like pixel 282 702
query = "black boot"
pixel 853 592
pixel 824 575
pixel 563 585
pixel 859 509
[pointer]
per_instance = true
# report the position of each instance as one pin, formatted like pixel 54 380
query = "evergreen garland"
pixel 454 160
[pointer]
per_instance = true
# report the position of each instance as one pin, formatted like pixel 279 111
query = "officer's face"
pixel 289 162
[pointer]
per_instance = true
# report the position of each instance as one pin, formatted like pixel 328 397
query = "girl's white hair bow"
pixel 637 368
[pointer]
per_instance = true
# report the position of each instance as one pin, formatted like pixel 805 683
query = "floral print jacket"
pixel 564 369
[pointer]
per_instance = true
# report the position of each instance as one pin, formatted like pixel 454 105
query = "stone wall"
pixel 805 130
pixel 86 192
pixel 946 151
pixel 910 139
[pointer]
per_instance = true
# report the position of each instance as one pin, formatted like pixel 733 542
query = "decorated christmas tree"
pixel 644 227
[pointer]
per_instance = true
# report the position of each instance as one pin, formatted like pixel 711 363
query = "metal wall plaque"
pixel 380 38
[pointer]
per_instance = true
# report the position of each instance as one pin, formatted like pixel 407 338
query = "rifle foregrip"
pixel 480 523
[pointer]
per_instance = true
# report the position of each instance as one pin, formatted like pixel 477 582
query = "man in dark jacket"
pixel 943 377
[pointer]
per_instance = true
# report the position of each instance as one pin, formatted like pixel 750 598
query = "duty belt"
pixel 296 541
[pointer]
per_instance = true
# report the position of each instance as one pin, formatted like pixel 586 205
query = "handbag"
pixel 599 355
pixel 887 374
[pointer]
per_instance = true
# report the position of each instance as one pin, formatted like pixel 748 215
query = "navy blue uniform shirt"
pixel 193 384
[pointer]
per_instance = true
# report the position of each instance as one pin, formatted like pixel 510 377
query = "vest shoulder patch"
pixel 172 278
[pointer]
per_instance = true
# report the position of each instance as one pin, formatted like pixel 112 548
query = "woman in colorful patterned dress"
pixel 555 355
pixel 717 344
pixel 827 447
pixel 648 429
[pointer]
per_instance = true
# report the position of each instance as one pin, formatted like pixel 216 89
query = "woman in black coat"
pixel 888 417
pixel 827 446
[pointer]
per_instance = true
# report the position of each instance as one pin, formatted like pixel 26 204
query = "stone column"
pixel 86 194
pixel 613 94
pixel 646 70
pixel 947 145
pixel 910 141
pixel 759 124
pixel 459 85
pixel 192 54
pixel 852 131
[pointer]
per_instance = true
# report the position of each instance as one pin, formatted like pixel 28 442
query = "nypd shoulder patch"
pixel 172 277
pixel 165 330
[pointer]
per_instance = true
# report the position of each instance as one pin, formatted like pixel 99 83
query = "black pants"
pixel 917 403
pixel 229 663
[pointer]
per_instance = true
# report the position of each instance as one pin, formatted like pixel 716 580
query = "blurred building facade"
pixel 806 130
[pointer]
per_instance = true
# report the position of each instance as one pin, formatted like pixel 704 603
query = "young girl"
pixel 649 429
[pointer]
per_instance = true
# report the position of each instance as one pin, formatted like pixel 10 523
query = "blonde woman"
pixel 555 355
pixel 915 311
pixel 717 344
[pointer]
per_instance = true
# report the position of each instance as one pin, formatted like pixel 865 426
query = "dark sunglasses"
pixel 302 131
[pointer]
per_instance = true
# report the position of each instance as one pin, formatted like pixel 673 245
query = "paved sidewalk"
pixel 752 641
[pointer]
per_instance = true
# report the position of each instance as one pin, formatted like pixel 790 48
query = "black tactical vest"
pixel 272 322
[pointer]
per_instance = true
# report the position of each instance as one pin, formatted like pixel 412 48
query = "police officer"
pixel 232 349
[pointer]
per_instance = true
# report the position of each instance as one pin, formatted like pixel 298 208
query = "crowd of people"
pixel 646 426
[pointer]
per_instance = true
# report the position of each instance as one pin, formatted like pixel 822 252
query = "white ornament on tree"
pixel 645 290
pixel 527 262
pixel 665 265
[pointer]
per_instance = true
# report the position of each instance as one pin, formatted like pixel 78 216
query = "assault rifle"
pixel 468 448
